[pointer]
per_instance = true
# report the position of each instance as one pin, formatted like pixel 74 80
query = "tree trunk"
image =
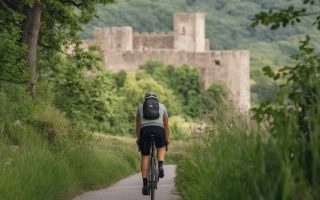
pixel 30 33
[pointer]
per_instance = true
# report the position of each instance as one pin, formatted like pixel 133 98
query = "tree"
pixel 46 26
pixel 11 51
pixel 87 98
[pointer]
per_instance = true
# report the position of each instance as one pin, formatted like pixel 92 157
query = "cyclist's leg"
pixel 160 144
pixel 145 165
pixel 145 158
pixel 161 152
pixel 145 151
pixel 144 172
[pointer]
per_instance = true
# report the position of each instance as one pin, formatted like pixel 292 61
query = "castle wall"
pixel 237 79
pixel 100 38
pixel 145 41
pixel 115 39
pixel 200 38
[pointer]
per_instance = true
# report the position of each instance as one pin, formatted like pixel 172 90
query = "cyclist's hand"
pixel 138 141
pixel 167 142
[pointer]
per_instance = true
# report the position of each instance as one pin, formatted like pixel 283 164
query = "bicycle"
pixel 153 170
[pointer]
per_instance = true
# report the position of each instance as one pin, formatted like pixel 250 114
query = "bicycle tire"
pixel 153 180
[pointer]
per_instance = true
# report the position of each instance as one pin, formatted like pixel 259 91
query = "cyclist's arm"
pixel 138 122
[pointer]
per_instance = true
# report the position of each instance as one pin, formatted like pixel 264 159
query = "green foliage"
pixel 108 102
pixel 120 78
pixel 86 96
pixel 180 128
pixel 288 16
pixel 183 80
pixel 263 89
pixel 214 98
pixel 13 67
pixel 60 22
pixel 187 85
pixel 132 95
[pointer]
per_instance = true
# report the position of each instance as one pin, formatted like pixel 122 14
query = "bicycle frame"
pixel 153 170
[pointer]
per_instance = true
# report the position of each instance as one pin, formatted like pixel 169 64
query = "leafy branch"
pixel 285 17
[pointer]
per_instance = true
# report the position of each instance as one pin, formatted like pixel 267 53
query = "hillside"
pixel 227 24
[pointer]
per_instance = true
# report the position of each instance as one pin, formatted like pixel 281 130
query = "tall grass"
pixel 43 157
pixel 36 169
pixel 236 159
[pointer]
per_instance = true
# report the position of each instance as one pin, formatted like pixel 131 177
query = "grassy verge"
pixel 39 169
pixel 175 151
pixel 234 159
pixel 36 169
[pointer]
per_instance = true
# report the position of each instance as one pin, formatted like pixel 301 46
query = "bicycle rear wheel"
pixel 153 179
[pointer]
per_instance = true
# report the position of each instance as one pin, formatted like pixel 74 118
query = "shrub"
pixel 180 128
pixel 52 122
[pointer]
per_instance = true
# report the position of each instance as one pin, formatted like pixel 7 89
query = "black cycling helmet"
pixel 150 95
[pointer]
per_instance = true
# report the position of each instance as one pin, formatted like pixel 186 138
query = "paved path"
pixel 130 189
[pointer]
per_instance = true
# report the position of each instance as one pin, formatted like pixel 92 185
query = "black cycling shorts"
pixel 145 143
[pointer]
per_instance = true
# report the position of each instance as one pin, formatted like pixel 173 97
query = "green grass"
pixel 175 151
pixel 36 169
pixel 234 159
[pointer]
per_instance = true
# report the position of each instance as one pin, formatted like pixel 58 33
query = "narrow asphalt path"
pixel 130 189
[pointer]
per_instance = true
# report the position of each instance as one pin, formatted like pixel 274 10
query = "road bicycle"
pixel 153 170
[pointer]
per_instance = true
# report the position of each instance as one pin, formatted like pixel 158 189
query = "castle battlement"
pixel 126 50
pixel 152 34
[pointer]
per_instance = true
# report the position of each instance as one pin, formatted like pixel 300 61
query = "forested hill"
pixel 227 24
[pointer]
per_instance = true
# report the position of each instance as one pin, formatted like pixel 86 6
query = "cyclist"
pixel 152 117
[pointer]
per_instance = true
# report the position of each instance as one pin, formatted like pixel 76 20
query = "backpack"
pixel 151 109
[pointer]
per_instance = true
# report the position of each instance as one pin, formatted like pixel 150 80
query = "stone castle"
pixel 125 49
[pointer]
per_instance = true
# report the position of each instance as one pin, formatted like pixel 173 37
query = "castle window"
pixel 183 30
pixel 217 62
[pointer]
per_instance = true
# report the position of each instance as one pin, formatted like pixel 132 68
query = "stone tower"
pixel 189 32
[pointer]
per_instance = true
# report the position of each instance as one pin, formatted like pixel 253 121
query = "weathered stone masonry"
pixel 126 50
